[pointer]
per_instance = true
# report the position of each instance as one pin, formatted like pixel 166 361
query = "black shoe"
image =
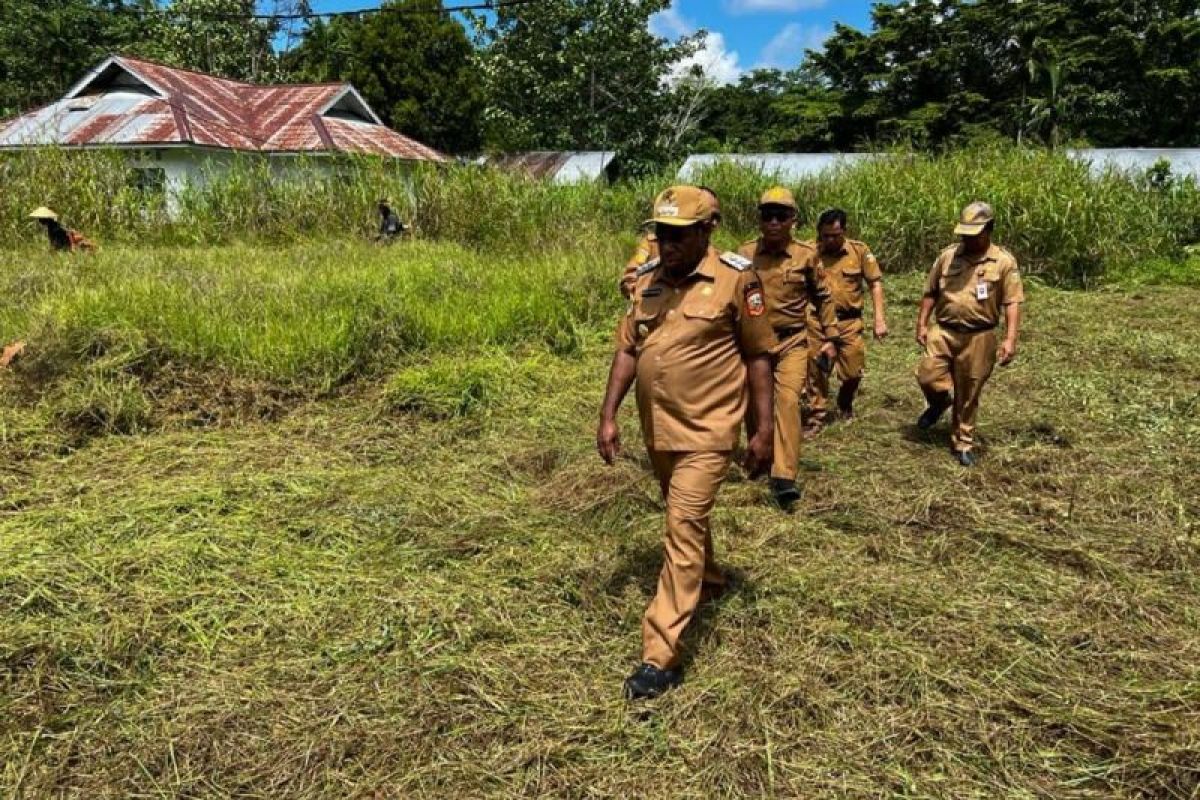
pixel 932 414
pixel 648 681
pixel 965 457
pixel 784 492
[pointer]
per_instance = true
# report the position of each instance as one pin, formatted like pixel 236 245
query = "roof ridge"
pixel 210 76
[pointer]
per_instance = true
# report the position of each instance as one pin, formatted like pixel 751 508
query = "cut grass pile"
pixel 425 583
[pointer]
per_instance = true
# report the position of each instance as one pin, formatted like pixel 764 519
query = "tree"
pixel 47 45
pixel 415 69
pixel 933 71
pixel 578 75
pixel 218 37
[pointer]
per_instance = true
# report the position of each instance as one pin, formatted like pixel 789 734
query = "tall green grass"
pixel 312 315
pixel 1060 221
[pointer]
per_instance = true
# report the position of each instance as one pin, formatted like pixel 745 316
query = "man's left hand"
pixel 829 349
pixel 760 451
pixel 881 330
pixel 1006 353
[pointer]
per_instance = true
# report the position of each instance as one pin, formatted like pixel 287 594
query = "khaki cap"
pixel 682 206
pixel 41 212
pixel 974 219
pixel 778 196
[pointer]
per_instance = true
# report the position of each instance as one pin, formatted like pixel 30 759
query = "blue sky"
pixel 743 34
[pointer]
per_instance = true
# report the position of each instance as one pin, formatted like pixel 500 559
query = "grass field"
pixel 413 576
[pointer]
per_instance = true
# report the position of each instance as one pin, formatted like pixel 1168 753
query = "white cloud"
pixel 671 24
pixel 761 6
pixel 786 48
pixel 714 58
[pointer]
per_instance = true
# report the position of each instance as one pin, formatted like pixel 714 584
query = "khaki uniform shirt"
pixel 968 292
pixel 691 340
pixel 645 252
pixel 791 284
pixel 846 271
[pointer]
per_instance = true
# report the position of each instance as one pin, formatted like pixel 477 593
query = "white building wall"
pixel 185 167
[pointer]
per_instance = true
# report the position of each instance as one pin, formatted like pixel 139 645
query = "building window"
pixel 148 180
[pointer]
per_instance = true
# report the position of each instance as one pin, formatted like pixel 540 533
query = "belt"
pixel 844 314
pixel 960 328
pixel 787 333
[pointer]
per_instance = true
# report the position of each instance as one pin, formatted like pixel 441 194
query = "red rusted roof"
pixel 190 107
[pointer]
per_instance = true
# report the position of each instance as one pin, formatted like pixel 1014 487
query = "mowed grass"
pixel 423 582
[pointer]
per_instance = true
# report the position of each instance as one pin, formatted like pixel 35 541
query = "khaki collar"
pixel 707 268
pixel 762 250
pixel 992 254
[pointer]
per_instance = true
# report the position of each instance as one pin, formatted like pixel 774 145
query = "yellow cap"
pixel 41 212
pixel 682 205
pixel 974 219
pixel 778 196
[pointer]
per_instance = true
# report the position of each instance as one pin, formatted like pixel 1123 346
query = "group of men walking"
pixel 714 341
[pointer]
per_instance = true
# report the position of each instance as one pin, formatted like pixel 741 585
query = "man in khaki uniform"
pixel 646 249
pixel 695 337
pixel 788 272
pixel 969 286
pixel 845 264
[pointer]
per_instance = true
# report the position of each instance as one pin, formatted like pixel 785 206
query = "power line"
pixel 484 5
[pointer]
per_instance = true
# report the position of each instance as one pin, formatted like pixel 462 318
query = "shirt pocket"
pixel 795 275
pixel 852 277
pixel 703 321
pixel 648 316
pixel 954 278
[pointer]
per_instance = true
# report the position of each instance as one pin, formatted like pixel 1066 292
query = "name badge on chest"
pixel 981 290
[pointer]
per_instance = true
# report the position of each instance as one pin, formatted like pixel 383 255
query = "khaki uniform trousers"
pixel 850 361
pixel 689 482
pixel 791 373
pixel 960 363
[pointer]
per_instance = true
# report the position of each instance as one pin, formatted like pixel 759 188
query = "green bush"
pixel 1061 222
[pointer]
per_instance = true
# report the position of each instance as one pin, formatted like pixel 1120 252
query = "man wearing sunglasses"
pixel 791 282
pixel 646 249
pixel 695 338
pixel 846 265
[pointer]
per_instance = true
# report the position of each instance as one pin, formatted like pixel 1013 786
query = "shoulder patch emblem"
pixel 740 263
pixel 647 267
pixel 756 304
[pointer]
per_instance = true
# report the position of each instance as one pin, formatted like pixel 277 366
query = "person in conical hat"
pixel 62 240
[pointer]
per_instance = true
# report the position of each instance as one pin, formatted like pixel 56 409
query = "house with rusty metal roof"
pixel 183 126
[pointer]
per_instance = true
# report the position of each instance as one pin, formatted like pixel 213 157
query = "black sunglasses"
pixel 674 233
pixel 776 214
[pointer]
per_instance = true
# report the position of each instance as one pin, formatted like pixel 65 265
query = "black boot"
pixel 784 492
pixel 846 394
pixel 937 406
pixel 648 681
